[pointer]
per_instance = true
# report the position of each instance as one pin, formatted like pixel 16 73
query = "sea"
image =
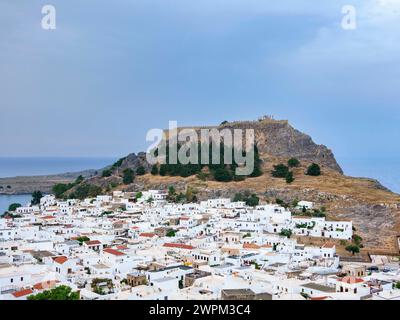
pixel 385 170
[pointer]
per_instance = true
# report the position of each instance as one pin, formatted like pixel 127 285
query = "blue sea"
pixel 11 167
pixel 386 171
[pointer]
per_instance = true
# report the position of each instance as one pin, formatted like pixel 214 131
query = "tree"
pixel 106 173
pixel 86 190
pixel 314 170
pixel 357 239
pixel 280 171
pixel 140 171
pixel 118 163
pixel 36 196
pixel 238 197
pixel 138 195
pixel 14 206
pixel 170 233
pixel 190 194
pixel 128 176
pixel 79 179
pixel 252 201
pixel 82 239
pixel 59 293
pixel 154 170
pixel 60 188
pixel 286 232
pixel 293 162
pixel 163 170
pixel 150 200
pixel 353 248
pixel 222 174
pixel 289 177
pixel 171 194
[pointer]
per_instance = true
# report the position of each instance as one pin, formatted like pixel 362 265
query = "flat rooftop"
pixel 319 287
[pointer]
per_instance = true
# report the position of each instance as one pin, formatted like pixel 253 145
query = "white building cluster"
pixel 119 247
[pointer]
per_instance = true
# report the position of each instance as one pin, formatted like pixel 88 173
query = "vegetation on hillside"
pixel 128 176
pixel 60 188
pixel 219 172
pixel 14 206
pixel 282 171
pixel 250 199
pixel 36 196
pixel 313 170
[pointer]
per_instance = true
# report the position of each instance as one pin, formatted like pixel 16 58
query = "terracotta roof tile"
pixel 22 293
pixel 60 260
pixel 250 246
pixel 351 280
pixel 92 242
pixel 45 284
pixel 114 252
pixel 147 234
pixel 178 245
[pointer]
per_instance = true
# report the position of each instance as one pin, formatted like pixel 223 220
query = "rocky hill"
pixel 374 210
pixel 278 139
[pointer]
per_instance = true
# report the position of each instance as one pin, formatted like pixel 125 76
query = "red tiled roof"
pixel 114 252
pixel 45 284
pixel 351 280
pixel 147 234
pixel 22 293
pixel 184 218
pixel 179 246
pixel 60 260
pixel 319 298
pixel 48 217
pixel 92 242
pixel 250 246
pixel 122 247
pixel 328 245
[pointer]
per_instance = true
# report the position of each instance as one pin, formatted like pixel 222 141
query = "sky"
pixel 112 70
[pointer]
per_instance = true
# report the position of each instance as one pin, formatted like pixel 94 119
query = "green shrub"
pixel 280 171
pixel 59 293
pixel 140 171
pixel 14 206
pixel 128 176
pixel 106 173
pixel 286 232
pixel 314 170
pixel 293 162
pixel 289 177
pixel 154 170
pixel 353 249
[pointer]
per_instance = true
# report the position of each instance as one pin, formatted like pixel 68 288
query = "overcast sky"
pixel 114 69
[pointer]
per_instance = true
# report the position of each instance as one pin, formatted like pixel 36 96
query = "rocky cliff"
pixel 374 210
